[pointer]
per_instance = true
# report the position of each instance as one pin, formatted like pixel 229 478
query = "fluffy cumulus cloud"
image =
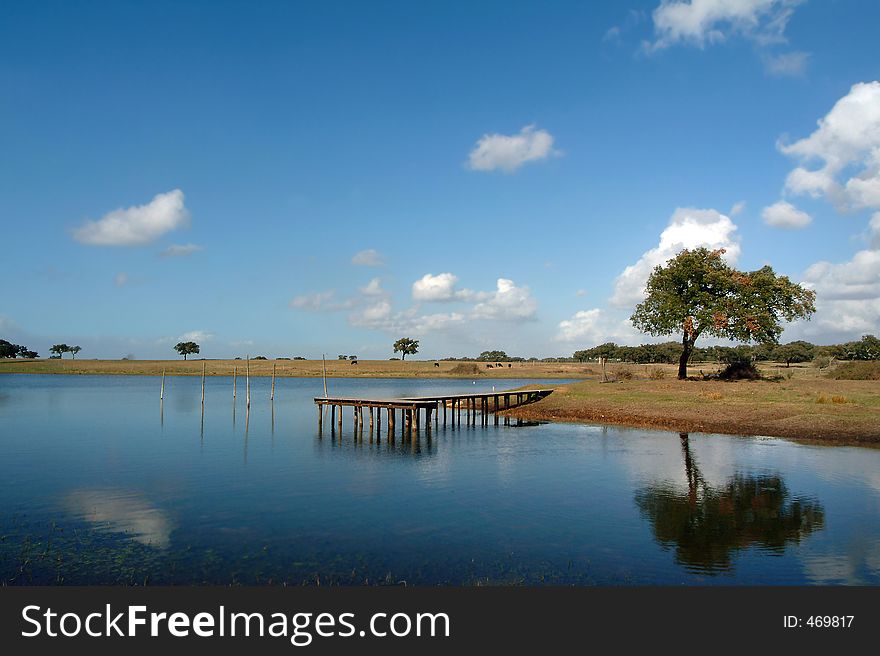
pixel 434 288
pixel 704 22
pixel 847 296
pixel 181 250
pixel 584 326
pixel 369 257
pixel 136 225
pixel 785 215
pixel 841 158
pixel 509 152
pixel 508 302
pixel 688 228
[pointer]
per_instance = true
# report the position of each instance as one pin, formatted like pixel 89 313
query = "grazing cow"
pixel 489 366
pixel 436 364
pixel 509 365
pixel 354 361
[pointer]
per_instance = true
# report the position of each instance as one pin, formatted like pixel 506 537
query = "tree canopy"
pixel 698 293
pixel 10 350
pixel 59 349
pixel 406 346
pixel 186 348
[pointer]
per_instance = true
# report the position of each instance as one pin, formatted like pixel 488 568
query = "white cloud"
pixel 121 279
pixel 857 279
pixel 195 336
pixel 509 152
pixel 737 208
pixel 181 250
pixel 137 225
pixel 582 327
pixel 373 288
pixel 368 257
pixel 597 326
pixel 580 292
pixel 847 139
pixel 847 294
pixel 315 301
pixel 785 215
pixel 507 302
pixel 435 288
pixel 787 64
pixel 704 22
pixel 688 228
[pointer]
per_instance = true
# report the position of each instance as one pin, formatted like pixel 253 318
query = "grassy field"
pixel 807 406
pixel 300 368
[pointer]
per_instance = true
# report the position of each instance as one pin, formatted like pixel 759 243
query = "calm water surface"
pixel 100 486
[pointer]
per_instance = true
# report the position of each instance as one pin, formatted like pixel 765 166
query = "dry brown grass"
pixel 299 368
pixel 850 413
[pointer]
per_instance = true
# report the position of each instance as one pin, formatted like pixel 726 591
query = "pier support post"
pixel 495 404
pixel 320 418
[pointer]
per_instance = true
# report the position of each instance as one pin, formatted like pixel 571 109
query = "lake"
pixel 101 485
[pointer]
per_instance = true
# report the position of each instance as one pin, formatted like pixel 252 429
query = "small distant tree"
pixel 406 346
pixel 74 350
pixel 493 356
pixel 186 348
pixel 59 349
pixel 794 352
pixel 697 293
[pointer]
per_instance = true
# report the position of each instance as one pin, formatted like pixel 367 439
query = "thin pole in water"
pixel 324 370
pixel 272 395
pixel 162 391
pixel 233 382
pixel 247 373
pixel 203 384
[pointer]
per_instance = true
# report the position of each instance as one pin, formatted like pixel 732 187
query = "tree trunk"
pixel 686 348
pixel 184 356
pixel 402 356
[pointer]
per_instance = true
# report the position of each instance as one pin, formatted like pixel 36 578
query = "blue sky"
pixel 297 178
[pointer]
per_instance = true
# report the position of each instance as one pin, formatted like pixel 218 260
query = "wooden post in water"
pixel 247 381
pixel 339 420
pixel 320 418
pixel 162 391
pixel 203 384
pixel 233 383
pixel 495 403
pixel 272 394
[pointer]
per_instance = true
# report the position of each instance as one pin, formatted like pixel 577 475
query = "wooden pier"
pixel 411 409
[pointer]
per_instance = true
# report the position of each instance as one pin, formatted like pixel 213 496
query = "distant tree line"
pixel 868 348
pixel 10 350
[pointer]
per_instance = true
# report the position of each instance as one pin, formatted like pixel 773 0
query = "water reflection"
pixel 121 511
pixel 706 525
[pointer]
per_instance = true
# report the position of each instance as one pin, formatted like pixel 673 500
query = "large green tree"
pixel 186 348
pixel 698 293
pixel 74 350
pixel 60 349
pixel 406 346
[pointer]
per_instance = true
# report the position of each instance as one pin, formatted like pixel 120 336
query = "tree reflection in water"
pixel 708 524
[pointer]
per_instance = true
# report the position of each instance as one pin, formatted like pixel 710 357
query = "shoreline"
pixel 723 408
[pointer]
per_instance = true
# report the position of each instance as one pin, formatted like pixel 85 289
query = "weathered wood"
pixel 272 394
pixel 162 391
pixel 495 408
pixel 203 384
